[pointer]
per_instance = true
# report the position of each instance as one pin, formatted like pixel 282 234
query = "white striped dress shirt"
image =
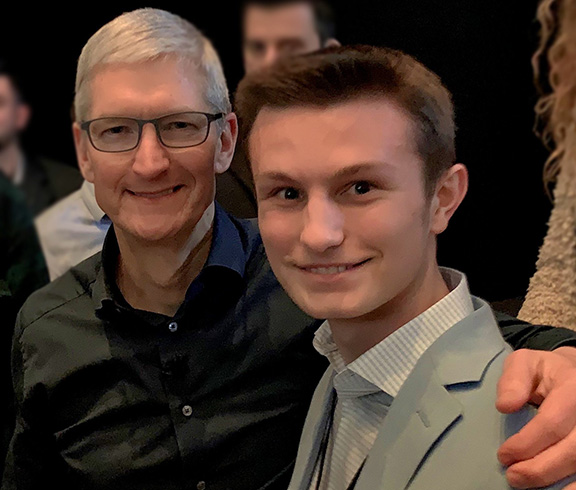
pixel 366 387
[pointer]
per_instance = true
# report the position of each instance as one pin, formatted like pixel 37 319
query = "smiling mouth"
pixel 157 194
pixel 333 269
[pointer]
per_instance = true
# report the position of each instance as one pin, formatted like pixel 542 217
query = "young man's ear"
pixel 331 42
pixel 226 144
pixel 450 191
pixel 80 144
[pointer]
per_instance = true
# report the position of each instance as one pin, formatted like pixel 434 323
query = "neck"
pixel 155 277
pixel 355 336
pixel 10 157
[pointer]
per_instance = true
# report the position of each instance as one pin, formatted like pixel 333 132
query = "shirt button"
pixel 201 485
pixel 187 410
pixel 173 327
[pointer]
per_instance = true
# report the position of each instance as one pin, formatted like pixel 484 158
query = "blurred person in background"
pixel 22 271
pixel 551 295
pixel 272 29
pixel 72 229
pixel 43 181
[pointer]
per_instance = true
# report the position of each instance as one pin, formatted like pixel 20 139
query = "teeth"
pixel 154 194
pixel 328 270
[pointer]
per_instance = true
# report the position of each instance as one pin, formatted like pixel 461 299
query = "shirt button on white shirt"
pixel 187 410
pixel 173 327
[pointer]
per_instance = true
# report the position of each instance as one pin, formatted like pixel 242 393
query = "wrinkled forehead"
pixel 162 80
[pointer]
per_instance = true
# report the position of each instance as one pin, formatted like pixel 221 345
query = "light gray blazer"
pixel 442 430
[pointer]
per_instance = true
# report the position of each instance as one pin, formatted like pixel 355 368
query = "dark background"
pixel 481 49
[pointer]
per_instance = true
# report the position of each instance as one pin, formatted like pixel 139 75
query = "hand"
pixel 544 451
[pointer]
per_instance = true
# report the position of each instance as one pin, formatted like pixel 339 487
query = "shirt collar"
pixel 20 171
pixel 226 255
pixel 89 198
pixel 227 248
pixel 389 363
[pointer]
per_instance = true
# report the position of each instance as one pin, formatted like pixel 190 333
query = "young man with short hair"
pixel 353 156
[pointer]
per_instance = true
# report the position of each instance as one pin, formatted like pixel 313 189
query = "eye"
pixel 289 193
pixel 361 187
pixel 180 126
pixel 116 131
pixel 256 48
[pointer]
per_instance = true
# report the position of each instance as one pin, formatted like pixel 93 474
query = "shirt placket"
pixel 178 378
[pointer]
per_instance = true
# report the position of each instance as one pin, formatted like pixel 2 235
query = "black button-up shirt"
pixel 110 397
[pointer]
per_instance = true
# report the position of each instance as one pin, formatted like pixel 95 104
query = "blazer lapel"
pixel 424 410
pixel 420 414
pixel 313 432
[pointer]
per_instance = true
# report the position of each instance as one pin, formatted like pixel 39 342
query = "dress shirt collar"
pixel 89 199
pixel 227 256
pixel 388 364
pixel 20 171
pixel 227 249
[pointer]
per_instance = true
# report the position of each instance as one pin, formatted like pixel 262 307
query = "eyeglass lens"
pixel 176 131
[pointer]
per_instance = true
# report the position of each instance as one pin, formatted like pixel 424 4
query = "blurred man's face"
pixel 273 32
pixel 13 113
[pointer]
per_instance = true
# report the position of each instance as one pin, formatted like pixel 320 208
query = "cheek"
pixel 197 162
pixel 6 117
pixel 401 228
pixel 278 234
pixel 106 178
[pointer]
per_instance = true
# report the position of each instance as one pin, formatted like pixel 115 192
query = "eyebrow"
pixel 352 170
pixel 349 171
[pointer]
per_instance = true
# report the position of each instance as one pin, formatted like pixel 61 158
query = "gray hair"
pixel 148 34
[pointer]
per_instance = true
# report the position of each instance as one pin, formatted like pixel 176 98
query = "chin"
pixel 152 233
pixel 328 310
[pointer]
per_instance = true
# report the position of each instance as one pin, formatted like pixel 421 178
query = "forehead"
pixel 320 140
pixel 281 21
pixel 7 88
pixel 145 88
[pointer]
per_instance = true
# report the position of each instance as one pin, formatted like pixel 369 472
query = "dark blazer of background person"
pixel 46 181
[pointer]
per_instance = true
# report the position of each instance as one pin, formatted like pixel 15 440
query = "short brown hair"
pixel 339 74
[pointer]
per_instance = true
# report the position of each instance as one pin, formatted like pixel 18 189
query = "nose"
pixel 271 55
pixel 151 158
pixel 323 226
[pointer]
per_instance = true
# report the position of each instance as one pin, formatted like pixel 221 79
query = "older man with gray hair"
pixel 172 358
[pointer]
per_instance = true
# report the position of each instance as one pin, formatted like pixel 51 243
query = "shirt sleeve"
pixel 523 335
pixel 31 458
